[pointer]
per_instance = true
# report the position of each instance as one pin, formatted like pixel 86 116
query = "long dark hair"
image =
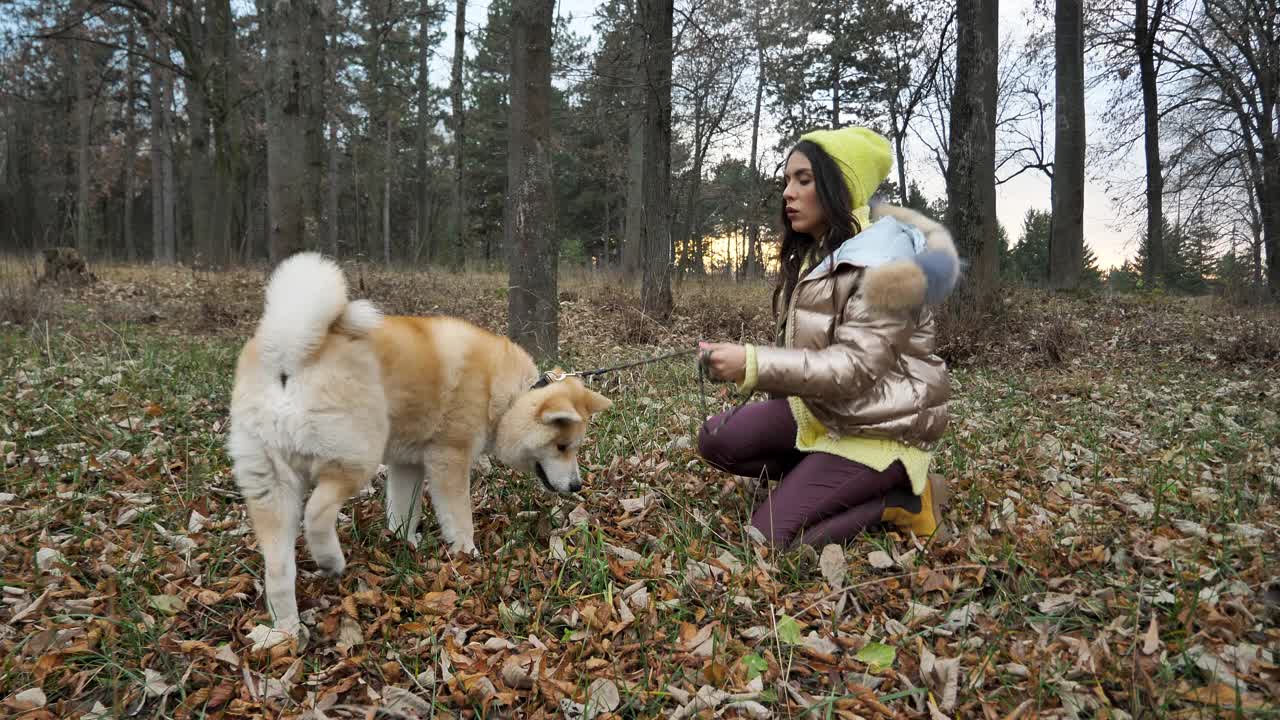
pixel 833 195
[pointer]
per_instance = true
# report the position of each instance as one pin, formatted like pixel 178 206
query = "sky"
pixel 1108 230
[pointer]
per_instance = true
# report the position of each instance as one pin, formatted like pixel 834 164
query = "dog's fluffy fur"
pixel 910 282
pixel 327 389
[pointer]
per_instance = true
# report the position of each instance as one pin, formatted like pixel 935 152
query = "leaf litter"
pixel 1114 539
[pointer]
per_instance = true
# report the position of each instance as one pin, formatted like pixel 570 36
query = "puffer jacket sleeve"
pixel 866 345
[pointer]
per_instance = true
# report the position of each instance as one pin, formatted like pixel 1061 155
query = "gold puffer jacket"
pixel 859 348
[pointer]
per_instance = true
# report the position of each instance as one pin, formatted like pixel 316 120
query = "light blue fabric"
pixel 885 240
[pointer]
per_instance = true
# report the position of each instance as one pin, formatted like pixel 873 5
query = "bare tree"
pixel 423 209
pixel 712 62
pixel 971 195
pixel 130 147
pixel 633 242
pixel 1066 235
pixel 935 107
pixel 291 126
pixel 1125 34
pixel 532 243
pixel 318 109
pixel 1233 47
pixel 656 20
pixel 1146 30
pixel 914 60
pixel 163 245
pixel 754 262
pixel 81 60
pixel 458 219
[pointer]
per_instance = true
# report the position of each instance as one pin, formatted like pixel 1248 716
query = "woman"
pixel 858 397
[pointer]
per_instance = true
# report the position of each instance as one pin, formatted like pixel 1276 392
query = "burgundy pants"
pixel 823 498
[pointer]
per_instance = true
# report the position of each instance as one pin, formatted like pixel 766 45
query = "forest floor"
pixel 1113 547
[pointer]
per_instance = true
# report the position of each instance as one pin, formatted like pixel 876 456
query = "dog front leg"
pixel 335 484
pixel 450 488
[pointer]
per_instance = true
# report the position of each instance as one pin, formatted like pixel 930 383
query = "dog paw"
pixel 331 567
pixel 464 547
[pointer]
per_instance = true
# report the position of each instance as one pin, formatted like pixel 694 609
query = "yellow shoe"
pixel 921 514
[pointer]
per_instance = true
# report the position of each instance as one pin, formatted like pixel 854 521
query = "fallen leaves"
pixel 880 560
pixel 520 671
pixel 833 565
pixel 30 699
pixel 1151 639
pixel 877 656
pixel 1087 498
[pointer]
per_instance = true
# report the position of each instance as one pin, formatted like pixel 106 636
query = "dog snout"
pixel 575 485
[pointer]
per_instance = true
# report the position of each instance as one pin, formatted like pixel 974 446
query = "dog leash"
pixel 549 377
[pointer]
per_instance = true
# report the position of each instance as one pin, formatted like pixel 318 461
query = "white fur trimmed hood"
pixel 910 259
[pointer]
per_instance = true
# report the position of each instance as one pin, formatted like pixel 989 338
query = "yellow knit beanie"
pixel 863 156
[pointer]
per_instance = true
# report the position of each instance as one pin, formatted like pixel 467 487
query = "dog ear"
pixel 558 410
pixel 597 403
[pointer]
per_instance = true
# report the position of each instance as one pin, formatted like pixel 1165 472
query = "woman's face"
pixel 800 196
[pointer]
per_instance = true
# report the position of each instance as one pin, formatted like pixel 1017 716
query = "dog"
pixel 327 389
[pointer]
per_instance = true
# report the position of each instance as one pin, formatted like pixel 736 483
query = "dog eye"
pixel 563 448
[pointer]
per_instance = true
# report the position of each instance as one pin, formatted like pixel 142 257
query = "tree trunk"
pixel 226 129
pixel 211 53
pixel 835 92
pixel 899 139
pixel 424 234
pixel 130 150
pixel 334 182
pixel 656 17
pixel 386 196
pixel 157 167
pixel 200 174
pixel 1269 202
pixel 1066 238
pixel 83 108
pixel 753 249
pixel 633 243
pixel 170 182
pixel 533 247
pixel 315 110
pixel 1144 40
pixel 1256 239
pixel 20 173
pixel 156 101
pixel 971 196
pixel 459 220
pixel 331 204
pixel 691 257
pixel 287 128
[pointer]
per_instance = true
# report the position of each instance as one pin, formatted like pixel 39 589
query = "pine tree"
pixel 1030 257
pixel 1090 274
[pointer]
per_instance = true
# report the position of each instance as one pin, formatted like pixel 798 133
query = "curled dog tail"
pixel 306 300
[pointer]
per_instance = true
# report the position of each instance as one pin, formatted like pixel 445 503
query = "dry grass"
pixel 22 300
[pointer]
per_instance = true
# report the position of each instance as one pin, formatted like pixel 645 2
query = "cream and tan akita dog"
pixel 327 389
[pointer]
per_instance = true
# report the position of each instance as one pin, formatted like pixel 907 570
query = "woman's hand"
pixel 724 361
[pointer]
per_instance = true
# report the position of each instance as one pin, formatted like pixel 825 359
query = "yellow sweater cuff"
pixel 752 374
